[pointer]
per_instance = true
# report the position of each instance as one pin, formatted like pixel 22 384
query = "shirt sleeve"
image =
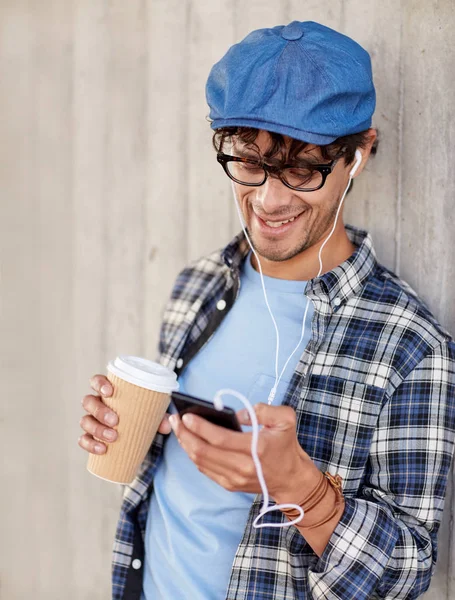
pixel 385 544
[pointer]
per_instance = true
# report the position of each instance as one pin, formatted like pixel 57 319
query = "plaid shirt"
pixel 374 393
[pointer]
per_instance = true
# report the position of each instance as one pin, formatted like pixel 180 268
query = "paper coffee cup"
pixel 141 397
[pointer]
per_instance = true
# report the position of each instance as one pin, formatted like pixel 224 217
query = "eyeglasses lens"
pixel 254 174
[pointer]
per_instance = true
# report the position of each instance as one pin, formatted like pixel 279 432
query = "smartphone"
pixel 190 404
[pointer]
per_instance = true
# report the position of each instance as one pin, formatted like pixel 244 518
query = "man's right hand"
pixel 101 420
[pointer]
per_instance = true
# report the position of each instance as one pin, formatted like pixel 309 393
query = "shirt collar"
pixel 236 251
pixel 340 283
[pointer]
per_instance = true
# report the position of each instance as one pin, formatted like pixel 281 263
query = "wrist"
pixel 305 478
pixel 325 508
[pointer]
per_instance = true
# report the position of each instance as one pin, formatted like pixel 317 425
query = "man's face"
pixel 266 206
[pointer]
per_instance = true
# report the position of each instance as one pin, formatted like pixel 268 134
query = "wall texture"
pixel 109 186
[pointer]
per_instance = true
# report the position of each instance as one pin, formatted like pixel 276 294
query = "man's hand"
pixel 225 455
pixel 100 422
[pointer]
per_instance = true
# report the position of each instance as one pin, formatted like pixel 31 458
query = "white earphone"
pixel 358 157
pixel 266 508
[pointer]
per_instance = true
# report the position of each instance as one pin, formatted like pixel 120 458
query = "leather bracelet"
pixel 309 501
pixel 316 496
pixel 322 522
pixel 336 484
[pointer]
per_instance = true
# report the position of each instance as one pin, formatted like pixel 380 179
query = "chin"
pixel 277 252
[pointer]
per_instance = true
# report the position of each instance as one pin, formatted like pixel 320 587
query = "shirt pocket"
pixel 337 420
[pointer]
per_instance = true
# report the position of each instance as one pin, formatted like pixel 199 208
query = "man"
pixel 361 392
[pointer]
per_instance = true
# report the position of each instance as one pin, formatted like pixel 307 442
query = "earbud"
pixel 358 160
pixel 217 399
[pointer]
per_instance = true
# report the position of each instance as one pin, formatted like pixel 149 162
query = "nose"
pixel 273 195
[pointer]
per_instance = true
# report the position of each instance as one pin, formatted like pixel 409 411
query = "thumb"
pixel 276 417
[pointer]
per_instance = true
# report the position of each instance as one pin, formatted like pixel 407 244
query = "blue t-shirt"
pixel 194 526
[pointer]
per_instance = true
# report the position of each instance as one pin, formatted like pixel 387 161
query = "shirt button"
pixel 179 363
pixel 337 301
pixel 136 564
pixel 221 304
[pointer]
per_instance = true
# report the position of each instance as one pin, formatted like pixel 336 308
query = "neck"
pixel 305 265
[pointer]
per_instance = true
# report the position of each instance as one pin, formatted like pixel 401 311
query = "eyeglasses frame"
pixel 324 169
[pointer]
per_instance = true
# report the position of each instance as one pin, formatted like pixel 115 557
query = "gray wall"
pixel 109 186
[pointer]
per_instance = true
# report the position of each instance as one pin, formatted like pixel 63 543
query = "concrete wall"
pixel 109 186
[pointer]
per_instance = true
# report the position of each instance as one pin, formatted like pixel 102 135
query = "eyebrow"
pixel 246 154
pixel 254 156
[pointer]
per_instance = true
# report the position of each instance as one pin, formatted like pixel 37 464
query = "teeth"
pixel 279 223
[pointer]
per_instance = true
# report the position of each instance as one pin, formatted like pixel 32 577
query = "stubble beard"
pixel 310 236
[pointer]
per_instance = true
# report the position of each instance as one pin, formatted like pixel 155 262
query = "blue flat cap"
pixel 303 80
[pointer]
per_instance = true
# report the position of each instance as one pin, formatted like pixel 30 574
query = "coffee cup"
pixel 141 397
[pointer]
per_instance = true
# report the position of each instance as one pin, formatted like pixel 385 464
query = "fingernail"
pixel 99 448
pixel 111 419
pixel 245 415
pixel 109 434
pixel 173 421
pixel 188 419
pixel 106 389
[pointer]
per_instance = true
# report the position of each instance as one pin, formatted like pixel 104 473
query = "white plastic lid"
pixel 144 373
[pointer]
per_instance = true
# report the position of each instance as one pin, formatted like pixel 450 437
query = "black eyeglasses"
pixel 247 171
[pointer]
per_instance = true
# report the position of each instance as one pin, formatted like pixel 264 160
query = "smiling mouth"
pixel 277 224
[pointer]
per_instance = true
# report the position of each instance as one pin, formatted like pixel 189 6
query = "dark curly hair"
pixel 343 147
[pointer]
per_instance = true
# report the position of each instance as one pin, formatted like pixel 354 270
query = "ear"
pixel 366 151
